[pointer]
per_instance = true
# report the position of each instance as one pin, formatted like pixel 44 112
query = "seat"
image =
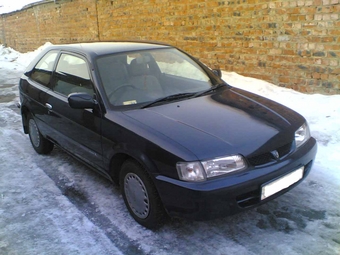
pixel 113 74
pixel 141 78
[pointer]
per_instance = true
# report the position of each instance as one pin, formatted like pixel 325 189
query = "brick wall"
pixel 294 44
pixel 58 23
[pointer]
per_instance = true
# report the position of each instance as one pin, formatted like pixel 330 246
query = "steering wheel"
pixel 122 88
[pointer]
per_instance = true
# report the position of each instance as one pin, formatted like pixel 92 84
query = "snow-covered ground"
pixel 55 205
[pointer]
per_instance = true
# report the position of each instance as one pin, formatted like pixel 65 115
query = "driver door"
pixel 76 130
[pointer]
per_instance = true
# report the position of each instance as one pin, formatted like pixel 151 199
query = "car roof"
pixel 104 48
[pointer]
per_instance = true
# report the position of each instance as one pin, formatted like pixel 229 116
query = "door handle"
pixel 48 106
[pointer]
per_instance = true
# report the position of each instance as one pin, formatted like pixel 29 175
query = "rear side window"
pixel 72 75
pixel 43 70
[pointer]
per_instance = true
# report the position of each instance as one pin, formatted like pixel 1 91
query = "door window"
pixel 43 70
pixel 72 75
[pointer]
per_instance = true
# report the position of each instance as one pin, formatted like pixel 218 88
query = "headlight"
pixel 200 171
pixel 302 135
pixel 191 171
pixel 224 165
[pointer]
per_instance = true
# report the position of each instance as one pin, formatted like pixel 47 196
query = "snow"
pixel 7 6
pixel 55 205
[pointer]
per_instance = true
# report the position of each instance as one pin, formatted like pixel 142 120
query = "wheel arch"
pixel 116 163
pixel 118 160
pixel 24 115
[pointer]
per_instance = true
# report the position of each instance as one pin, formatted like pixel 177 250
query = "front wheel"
pixel 140 196
pixel 40 144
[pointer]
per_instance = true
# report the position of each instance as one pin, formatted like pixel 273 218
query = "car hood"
pixel 230 121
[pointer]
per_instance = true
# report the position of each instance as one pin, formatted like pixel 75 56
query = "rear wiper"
pixel 168 98
pixel 213 88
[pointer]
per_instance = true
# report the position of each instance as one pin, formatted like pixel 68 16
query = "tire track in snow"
pixel 16 138
pixel 81 202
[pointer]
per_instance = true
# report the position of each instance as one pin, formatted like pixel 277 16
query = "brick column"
pixel 3 31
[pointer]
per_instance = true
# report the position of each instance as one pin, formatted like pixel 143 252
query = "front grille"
pixel 268 156
pixel 261 159
pixel 285 149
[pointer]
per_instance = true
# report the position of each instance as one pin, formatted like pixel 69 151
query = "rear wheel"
pixel 140 196
pixel 40 144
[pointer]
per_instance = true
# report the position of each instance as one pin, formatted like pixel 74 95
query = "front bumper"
pixel 230 194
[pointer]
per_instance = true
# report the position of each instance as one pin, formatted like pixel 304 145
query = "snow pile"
pixel 12 65
pixel 10 57
pixel 8 54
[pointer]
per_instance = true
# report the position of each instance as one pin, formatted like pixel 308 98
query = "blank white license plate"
pixel 281 183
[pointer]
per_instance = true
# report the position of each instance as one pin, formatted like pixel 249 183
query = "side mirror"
pixel 217 72
pixel 80 100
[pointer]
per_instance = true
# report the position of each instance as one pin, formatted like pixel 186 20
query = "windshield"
pixel 145 76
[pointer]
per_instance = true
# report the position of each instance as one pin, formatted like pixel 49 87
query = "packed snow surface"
pixel 55 205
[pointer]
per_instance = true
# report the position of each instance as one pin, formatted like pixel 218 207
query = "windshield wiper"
pixel 168 99
pixel 183 95
pixel 204 92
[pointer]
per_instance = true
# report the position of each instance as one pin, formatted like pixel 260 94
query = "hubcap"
pixel 34 133
pixel 136 195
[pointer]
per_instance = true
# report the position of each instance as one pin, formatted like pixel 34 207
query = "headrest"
pixel 140 68
pixel 143 59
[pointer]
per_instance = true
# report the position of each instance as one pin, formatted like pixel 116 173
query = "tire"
pixel 140 196
pixel 40 144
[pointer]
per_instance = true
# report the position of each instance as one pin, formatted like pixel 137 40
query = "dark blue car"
pixel 177 139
